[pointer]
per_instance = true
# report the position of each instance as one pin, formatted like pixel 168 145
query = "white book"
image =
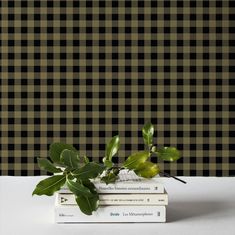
pixel 128 182
pixel 119 199
pixel 111 214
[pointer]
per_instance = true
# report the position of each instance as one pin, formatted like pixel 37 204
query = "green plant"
pixel 77 172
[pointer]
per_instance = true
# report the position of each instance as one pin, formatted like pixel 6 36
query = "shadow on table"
pixel 190 209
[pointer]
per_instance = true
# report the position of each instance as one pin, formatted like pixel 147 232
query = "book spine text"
pixel 126 188
pixel 119 199
pixel 112 214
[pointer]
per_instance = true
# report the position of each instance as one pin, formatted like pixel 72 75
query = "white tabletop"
pixel 205 205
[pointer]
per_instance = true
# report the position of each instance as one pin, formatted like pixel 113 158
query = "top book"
pixel 128 182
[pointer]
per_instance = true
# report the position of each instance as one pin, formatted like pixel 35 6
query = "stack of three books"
pixel 130 199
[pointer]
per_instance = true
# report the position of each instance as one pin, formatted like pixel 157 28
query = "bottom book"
pixel 111 214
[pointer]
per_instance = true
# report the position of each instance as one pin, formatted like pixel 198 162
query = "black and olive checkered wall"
pixel 82 71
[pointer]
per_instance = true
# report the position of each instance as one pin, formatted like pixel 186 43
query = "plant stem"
pixel 168 175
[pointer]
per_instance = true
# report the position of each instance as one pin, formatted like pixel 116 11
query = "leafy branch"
pixel 78 172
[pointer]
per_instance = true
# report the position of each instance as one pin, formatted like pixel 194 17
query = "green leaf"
pixel 109 178
pixel 88 171
pixel 70 158
pixel 86 159
pixel 135 159
pixel 108 163
pixel 90 185
pixel 112 148
pixel 147 170
pixel 147 132
pixel 46 165
pixel 50 185
pixel 168 154
pixel 88 204
pixel 56 149
pixel 78 188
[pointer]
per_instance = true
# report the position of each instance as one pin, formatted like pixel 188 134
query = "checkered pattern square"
pixel 80 72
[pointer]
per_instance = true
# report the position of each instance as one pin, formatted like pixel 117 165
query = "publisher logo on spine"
pixel 114 214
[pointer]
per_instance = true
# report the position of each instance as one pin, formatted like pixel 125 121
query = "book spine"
pixel 111 214
pixel 129 187
pixel 120 199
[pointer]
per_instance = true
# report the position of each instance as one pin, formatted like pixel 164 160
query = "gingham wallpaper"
pixel 82 71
